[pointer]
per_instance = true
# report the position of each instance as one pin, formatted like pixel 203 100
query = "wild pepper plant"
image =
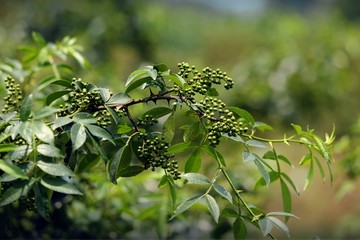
pixel 52 130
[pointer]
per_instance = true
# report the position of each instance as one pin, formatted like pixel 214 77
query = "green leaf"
pixel 99 132
pixel 265 225
pixel 186 205
pixel 59 185
pixel 175 78
pixel 131 171
pixel 223 192
pixel 248 156
pixel 292 184
pixel 26 132
pixel 298 128
pixel 262 171
pixel 197 178
pixel 105 94
pixel 20 152
pixel 85 162
pixel 120 160
pixel 49 151
pixel 169 128
pixel 42 132
pixel 60 122
pixel 124 128
pixel 25 108
pixel 286 196
pixel 39 40
pixel 321 169
pixel 239 229
pixel 191 131
pixel 280 225
pixel 193 163
pixel 12 169
pixel 181 147
pixel 135 75
pixel 55 168
pixel 262 126
pixel 212 92
pixel 309 175
pixel 214 154
pixel 284 214
pixel 55 96
pixel 17 190
pixel 172 189
pixel 158 112
pixel 229 212
pixel 42 201
pixel 161 67
pixel 255 143
pixel 152 73
pixel 137 84
pixel 84 118
pixel 213 207
pixel 78 136
pixel 163 181
pixel 261 182
pixel 7 147
pixel 119 99
pixel 44 112
pixel 243 114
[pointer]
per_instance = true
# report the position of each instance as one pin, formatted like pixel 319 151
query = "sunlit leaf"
pixel 99 132
pixel 309 175
pixel 7 147
pixel 262 126
pixel 84 118
pixel 55 96
pixel 59 185
pixel 44 112
pixel 134 85
pixel 197 178
pixel 42 132
pixel 12 169
pixel 119 99
pixel 78 135
pixel 55 168
pixel 60 122
pixel 20 152
pixel 49 150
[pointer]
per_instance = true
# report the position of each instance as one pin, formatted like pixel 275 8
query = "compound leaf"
pixel 59 185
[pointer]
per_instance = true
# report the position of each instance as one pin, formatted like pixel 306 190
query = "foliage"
pixel 55 130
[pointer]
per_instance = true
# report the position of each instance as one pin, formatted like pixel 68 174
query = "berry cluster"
pixel 222 121
pixel 147 120
pixel 201 82
pixel 13 97
pixel 154 152
pixel 85 97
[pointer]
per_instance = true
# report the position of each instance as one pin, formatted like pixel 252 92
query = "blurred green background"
pixel 292 62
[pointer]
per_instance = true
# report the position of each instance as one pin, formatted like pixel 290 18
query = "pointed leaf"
pixel 7 147
pixel 12 170
pixel 223 192
pixel 261 182
pixel 186 205
pixel 248 156
pixel 290 181
pixel 25 108
pixel 243 114
pixel 49 150
pixel 158 112
pixel 120 160
pixel 172 189
pixel 193 163
pixel 197 178
pixel 20 152
pixel 169 128
pixel 78 135
pixel 213 207
pixel 55 168
pixel 59 185
pixel 263 171
pixel 55 96
pixel 181 147
pixel 84 118
pixel 131 171
pixel 99 132
pixel 255 143
pixel 239 229
pixel 60 122
pixel 45 112
pixel 124 128
pixel 42 201
pixel 265 225
pixel 133 85
pixel 280 225
pixel 43 132
pixel 214 154
pixel 286 196
pixel 16 191
pixel 229 212
pixel 175 78
pixel 309 175
pixel 119 99
pixel 191 131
